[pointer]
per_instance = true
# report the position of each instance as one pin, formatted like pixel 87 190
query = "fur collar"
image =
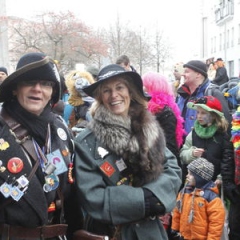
pixel 138 139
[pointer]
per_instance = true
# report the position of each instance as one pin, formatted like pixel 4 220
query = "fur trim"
pixel 138 139
pixel 158 102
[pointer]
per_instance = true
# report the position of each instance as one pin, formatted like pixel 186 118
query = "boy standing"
pixel 199 213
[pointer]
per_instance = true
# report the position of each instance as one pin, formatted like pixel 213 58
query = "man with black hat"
pixel 35 152
pixel 196 84
pixel 3 74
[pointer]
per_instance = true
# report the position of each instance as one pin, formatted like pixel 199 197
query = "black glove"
pixel 153 206
pixel 231 192
pixel 175 235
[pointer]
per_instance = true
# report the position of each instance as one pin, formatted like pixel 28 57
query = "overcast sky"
pixel 179 19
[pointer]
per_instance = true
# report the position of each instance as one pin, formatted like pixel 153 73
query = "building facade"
pixel 220 30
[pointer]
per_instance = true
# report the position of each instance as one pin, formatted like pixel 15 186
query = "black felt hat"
pixel 114 70
pixel 197 66
pixel 31 66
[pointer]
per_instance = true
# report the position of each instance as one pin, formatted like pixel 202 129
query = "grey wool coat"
pixel 110 200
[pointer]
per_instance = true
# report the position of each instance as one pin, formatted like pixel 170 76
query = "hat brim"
pixel 26 72
pixel 135 77
pixel 194 106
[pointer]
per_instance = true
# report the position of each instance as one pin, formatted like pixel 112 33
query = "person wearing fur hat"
pixel 75 81
pixel 35 151
pixel 196 84
pixel 209 138
pixel 3 74
pixel 199 212
pixel 124 173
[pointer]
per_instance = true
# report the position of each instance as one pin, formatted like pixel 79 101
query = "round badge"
pixel 52 181
pixel 62 134
pixel 47 188
pixel 201 193
pixel 15 165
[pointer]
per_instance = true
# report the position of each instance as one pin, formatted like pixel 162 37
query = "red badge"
pixel 107 168
pixel 15 165
pixel 52 207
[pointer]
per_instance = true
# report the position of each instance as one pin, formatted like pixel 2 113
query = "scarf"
pixel 205 132
pixel 137 138
pixel 35 125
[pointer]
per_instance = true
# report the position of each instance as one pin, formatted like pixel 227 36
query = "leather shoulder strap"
pixel 20 133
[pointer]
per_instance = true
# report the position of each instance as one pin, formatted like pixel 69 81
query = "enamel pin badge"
pixel 102 152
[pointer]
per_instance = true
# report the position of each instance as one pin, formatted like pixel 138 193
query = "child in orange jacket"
pixel 199 212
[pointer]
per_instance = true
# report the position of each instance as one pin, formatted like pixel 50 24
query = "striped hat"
pixel 202 168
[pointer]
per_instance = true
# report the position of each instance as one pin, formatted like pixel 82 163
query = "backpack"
pixel 210 89
pixel 228 90
pixel 232 93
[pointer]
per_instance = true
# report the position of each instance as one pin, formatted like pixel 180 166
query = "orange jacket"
pixel 208 213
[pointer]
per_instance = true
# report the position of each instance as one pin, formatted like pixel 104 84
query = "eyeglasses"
pixel 43 83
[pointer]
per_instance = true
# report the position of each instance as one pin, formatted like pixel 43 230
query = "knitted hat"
pixel 32 66
pixel 197 66
pixel 3 69
pixel 208 103
pixel 202 168
pixel 114 70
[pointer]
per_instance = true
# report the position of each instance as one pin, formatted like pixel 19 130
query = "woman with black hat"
pixel 124 173
pixel 35 152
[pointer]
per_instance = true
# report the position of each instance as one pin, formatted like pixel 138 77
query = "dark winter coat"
pixel 168 122
pixel 221 76
pixel 217 149
pixel 32 208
